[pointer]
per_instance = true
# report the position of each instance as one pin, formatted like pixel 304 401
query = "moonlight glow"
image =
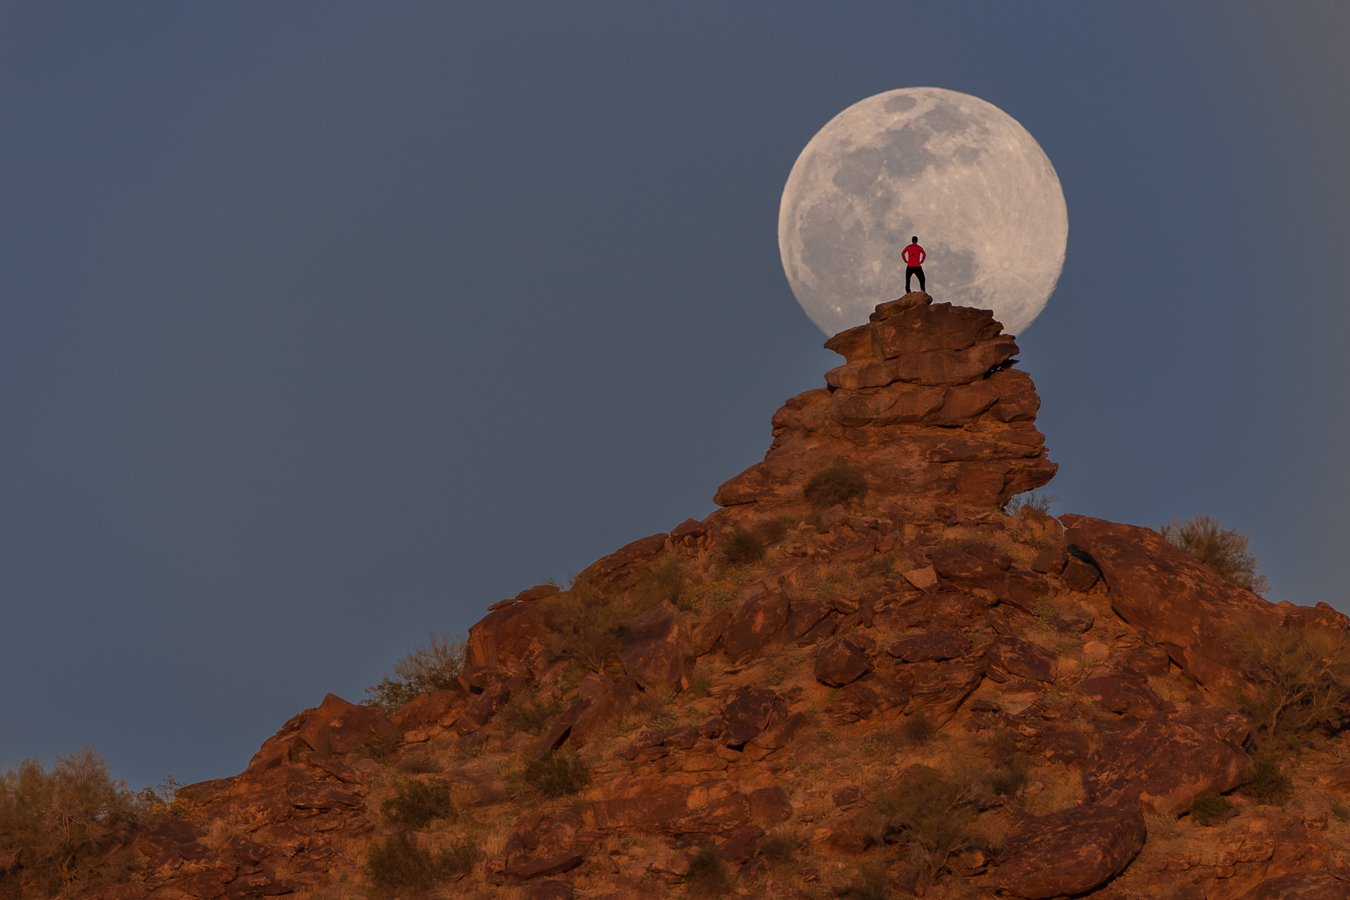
pixel 958 172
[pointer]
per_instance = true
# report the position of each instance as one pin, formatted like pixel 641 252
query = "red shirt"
pixel 913 255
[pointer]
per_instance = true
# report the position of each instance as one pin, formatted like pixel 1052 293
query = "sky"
pixel 325 325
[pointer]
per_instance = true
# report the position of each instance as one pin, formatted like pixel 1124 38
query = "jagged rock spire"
pixel 926 406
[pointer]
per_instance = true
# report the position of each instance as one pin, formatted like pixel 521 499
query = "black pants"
pixel 910 271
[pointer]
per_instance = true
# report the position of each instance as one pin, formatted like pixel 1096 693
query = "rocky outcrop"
pixel 926 406
pixel 862 685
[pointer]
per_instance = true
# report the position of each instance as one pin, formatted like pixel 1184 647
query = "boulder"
pixel 755 622
pixel 1206 623
pixel 841 661
pixel 929 646
pixel 1011 657
pixel 1069 852
pixel 655 651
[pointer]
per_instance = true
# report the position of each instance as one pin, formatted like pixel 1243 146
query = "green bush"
pixel 556 774
pixel 433 667
pixel 398 864
pixel 661 581
pixel 586 629
pixel 1209 807
pixel 709 875
pixel 781 847
pixel 929 815
pixel 1301 684
pixel 1268 785
pixel 1009 776
pixel 743 546
pixel 918 729
pixel 530 715
pixel 840 483
pixel 64 823
pixel 417 803
pixel 868 883
pixel 1225 550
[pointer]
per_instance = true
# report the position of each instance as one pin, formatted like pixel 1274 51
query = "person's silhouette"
pixel 913 255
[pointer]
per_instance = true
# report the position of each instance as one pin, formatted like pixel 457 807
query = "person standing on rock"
pixel 913 256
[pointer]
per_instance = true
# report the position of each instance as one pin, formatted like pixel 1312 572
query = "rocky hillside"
pixel 861 676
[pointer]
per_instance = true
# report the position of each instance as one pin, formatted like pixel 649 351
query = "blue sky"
pixel 326 325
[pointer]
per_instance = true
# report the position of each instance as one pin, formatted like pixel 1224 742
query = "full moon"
pixel 960 173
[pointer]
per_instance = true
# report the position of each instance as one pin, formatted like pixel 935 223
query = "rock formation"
pixel 926 406
pixel 861 673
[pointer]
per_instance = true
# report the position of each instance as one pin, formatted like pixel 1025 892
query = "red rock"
pixel 655 651
pixel 1301 886
pixel 548 890
pixel 748 712
pixel 336 726
pixel 504 636
pixel 930 645
pixel 1069 852
pixel 740 844
pixel 427 709
pixel 688 532
pixel 1122 693
pixel 527 868
pixel 622 567
pixel 841 661
pixel 1167 760
pixel 976 569
pixel 1049 562
pixel 921 407
pixel 756 621
pixel 923 577
pixel 1010 656
pixel 1079 575
pixel 805 615
pixel 1185 605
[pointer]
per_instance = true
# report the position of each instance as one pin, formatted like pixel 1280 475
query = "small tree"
pixel 62 822
pixel 1225 550
pixel 1301 684
pixel 433 667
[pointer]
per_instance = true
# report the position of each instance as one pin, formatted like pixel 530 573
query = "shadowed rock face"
pixel 1055 683
pixel 926 406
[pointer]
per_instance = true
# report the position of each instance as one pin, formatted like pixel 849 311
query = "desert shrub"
pixel 1301 684
pixel 771 531
pixel 868 883
pixel 397 863
pixel 1029 501
pixel 699 686
pixel 1225 550
pixel 434 666
pixel 917 729
pixel 1209 807
pixel 1008 776
pixel 840 483
pixel 781 847
pixel 929 815
pixel 64 822
pixel 419 764
pixel 530 715
pixel 709 875
pixel 743 546
pixel 661 581
pixel 556 774
pixel 416 803
pixel 1268 785
pixel 586 629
